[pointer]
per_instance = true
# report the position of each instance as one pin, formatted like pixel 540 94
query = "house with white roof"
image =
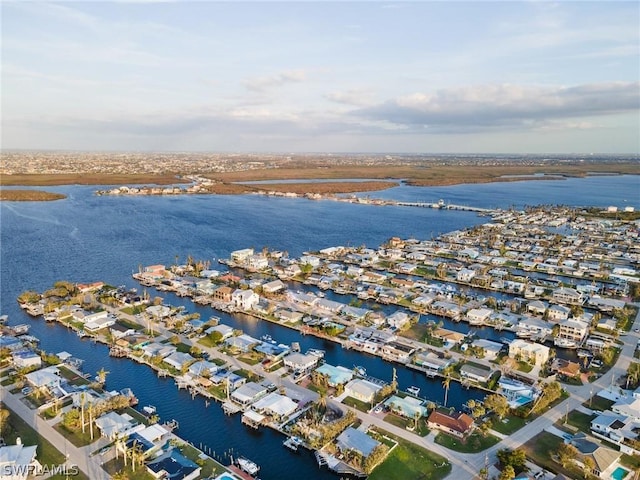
pixel 535 353
pixel 248 393
pixel 179 360
pixel 568 295
pixel 113 425
pixel 18 461
pixel 225 330
pixel 398 319
pixel 26 359
pixel 300 361
pixel 557 313
pixel 275 405
pixel 48 377
pixel 244 299
pixel 362 390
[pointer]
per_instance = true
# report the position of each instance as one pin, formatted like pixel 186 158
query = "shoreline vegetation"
pixel 29 196
pixel 380 176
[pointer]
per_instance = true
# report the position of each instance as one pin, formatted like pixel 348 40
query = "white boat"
pixel 20 329
pixel 293 443
pixel 565 343
pixel 360 371
pixel 316 352
pixel 414 390
pixel 149 410
pixel 248 466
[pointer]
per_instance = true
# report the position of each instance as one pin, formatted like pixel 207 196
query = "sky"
pixel 401 77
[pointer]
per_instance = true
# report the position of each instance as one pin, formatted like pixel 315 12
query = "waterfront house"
pixel 300 362
pixel 113 425
pixel 535 353
pixel 537 307
pixel 516 392
pixel 568 295
pixel 94 325
pixel 476 373
pixel 355 313
pixel 432 360
pixel 240 256
pixel 158 349
pixel 222 294
pixel 248 393
pixel 232 380
pixel 17 462
pixel 557 313
pixel 275 405
pixel 257 262
pixel 398 320
pixel 457 424
pixel 533 327
pixel 10 343
pixel 573 330
pixel 244 299
pixel 87 317
pixel 424 300
pixel 225 330
pixel 244 343
pixel 352 439
pixel 179 360
pixel 335 375
pixel 397 351
pixel 289 316
pixel 273 287
pixel 465 275
pixel 449 337
pixel 292 270
pixel 490 349
pixel 120 331
pixel 362 390
pixel 26 359
pixel 329 305
pixel 203 368
pixel 408 407
pixel 48 377
pixel 173 465
pixel 478 316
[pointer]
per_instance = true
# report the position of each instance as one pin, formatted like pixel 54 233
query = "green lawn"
pixel 357 404
pixel 250 376
pixel 475 443
pixel 581 421
pixel 525 367
pixel 403 422
pixel 541 447
pixel 631 461
pixel 207 342
pixel 47 454
pixel 210 468
pixel 78 438
pixel 598 403
pixel 508 424
pixel 409 461
pixel 117 464
pixel 129 324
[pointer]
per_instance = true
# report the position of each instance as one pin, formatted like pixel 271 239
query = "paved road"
pixel 75 455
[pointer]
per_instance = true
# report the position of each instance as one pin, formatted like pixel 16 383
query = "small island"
pixel 29 196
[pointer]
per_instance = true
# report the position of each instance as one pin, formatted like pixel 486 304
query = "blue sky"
pixel 530 77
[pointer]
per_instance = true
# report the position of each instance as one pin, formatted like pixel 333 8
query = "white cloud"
pixel 270 81
pixel 507 106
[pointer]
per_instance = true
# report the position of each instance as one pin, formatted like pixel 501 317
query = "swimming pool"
pixel 619 473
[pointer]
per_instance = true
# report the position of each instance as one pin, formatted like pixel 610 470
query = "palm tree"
pixel 102 376
pixel 446 382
